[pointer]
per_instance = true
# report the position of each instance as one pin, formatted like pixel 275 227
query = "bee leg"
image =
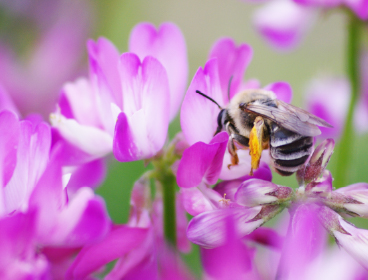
pixel 232 151
pixel 232 148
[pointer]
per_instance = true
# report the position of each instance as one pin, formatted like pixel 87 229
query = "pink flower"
pixel 167 45
pixel 54 58
pixel 33 194
pixel 18 257
pixel 328 98
pixel 133 96
pixel 284 23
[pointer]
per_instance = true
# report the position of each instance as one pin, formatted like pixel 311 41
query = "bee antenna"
pixel 197 91
pixel 229 86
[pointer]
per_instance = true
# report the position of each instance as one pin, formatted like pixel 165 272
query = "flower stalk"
pixel 344 150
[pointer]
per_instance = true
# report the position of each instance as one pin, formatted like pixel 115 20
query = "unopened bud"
pixel 321 186
pixel 318 160
pixel 256 192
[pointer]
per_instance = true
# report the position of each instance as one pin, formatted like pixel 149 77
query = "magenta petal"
pixel 305 240
pixel 202 161
pixel 267 237
pixel 124 147
pixel 208 229
pixel 146 101
pixel 194 201
pixel 167 45
pixel 328 98
pixel 90 174
pixel 233 260
pixel 9 129
pixel 232 62
pixel 283 23
pixel 6 103
pixel 120 241
pixel 198 116
pixel 104 54
pixel 359 7
pixel 93 223
pixel 282 90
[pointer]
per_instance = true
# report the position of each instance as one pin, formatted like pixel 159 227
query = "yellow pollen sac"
pixel 255 144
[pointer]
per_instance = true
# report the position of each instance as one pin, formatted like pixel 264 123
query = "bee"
pixel 256 120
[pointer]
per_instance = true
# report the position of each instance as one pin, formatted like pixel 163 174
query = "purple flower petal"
pixel 232 62
pixel 18 256
pixel 266 236
pixel 83 221
pixel 141 130
pixel 10 130
pixel 242 169
pixel 328 98
pixel 202 162
pixel 6 103
pixel 90 140
pixel 195 201
pixel 167 45
pixel 208 229
pixel 356 198
pixel 77 101
pixel 32 157
pixel 104 56
pixel 305 240
pixel 198 116
pixel 360 8
pixel 282 90
pixel 233 260
pixel 120 241
pixel 282 23
pixel 256 192
pixel 353 240
pixel 90 174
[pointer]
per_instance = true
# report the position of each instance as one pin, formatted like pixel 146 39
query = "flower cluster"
pixel 53 225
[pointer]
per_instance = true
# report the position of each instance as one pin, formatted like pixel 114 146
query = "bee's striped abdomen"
pixel 288 150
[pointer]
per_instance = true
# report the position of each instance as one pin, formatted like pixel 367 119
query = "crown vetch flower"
pixel 143 120
pixel 167 45
pixel 34 84
pixel 284 23
pixel 131 97
pixel 33 194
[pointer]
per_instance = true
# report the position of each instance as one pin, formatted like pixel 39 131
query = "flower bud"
pixel 256 192
pixel 319 160
pixel 321 186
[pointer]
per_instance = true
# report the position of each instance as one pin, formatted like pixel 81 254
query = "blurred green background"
pixel 202 23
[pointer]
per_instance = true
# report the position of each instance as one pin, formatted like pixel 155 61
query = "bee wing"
pixel 302 114
pixel 289 117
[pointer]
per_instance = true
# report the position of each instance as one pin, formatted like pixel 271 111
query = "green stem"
pixel 344 150
pixel 168 182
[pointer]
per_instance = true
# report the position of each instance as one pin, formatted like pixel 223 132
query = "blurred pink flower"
pixel 34 83
pixel 328 98
pixel 33 192
pixel 167 45
pixel 284 23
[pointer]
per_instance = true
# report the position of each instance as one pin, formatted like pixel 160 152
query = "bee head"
pixel 221 119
